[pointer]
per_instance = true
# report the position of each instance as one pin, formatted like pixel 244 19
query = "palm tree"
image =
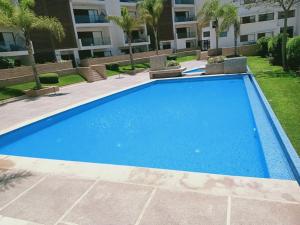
pixel 127 23
pixel 22 17
pixel 230 18
pixel 212 10
pixel 150 11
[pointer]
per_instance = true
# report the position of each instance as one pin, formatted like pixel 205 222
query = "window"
pixel 249 1
pixel 266 17
pixel 264 34
pixel 247 38
pixel 248 19
pixel 290 31
pixel 291 13
pixel 206 34
pixel 223 34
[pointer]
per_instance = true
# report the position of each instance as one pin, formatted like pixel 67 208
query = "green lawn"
pixel 282 90
pixel 124 69
pixel 185 58
pixel 17 90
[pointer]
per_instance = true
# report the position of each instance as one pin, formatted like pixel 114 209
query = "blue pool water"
pixel 198 70
pixel 200 125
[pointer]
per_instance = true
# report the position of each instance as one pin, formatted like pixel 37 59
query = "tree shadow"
pixel 10 179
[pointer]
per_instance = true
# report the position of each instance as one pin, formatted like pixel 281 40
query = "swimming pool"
pixel 196 71
pixel 213 125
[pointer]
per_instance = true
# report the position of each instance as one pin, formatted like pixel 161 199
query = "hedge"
pixel 49 78
pixel 293 52
pixel 263 46
pixel 274 48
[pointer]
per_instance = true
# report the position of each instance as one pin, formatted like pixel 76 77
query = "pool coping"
pixel 293 160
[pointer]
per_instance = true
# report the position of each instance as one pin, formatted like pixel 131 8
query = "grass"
pixel 282 90
pixel 127 68
pixel 17 90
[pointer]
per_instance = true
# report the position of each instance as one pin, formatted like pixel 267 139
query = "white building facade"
pixel 97 37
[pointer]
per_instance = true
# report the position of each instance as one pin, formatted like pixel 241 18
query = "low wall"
pixel 24 73
pixel 122 58
pixel 245 50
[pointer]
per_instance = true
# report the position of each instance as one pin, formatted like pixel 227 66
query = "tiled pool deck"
pixel 39 191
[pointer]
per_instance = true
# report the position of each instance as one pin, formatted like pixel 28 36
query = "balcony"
pixel 94 43
pixel 186 35
pixel 79 19
pixel 138 40
pixel 129 1
pixel 180 19
pixel 12 49
pixel 184 2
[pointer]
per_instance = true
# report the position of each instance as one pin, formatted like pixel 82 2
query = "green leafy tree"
pixel 22 17
pixel 212 10
pixel 127 23
pixel 231 18
pixel 150 11
pixel 286 6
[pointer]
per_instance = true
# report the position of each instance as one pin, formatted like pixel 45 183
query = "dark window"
pixel 260 35
pixel 248 19
pixel 249 1
pixel 244 38
pixel 290 31
pixel 291 13
pixel 223 34
pixel 206 34
pixel 266 17
pixel 167 45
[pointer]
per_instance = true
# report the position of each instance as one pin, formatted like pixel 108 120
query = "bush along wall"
pixel 263 46
pixel 293 53
pixel 274 48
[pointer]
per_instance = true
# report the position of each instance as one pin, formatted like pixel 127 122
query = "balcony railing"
pixel 11 47
pixel 186 35
pixel 139 39
pixel 184 2
pixel 129 1
pixel 184 18
pixel 85 42
pixel 90 19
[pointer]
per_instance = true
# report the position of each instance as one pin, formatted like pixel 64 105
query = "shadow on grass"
pixel 10 179
pixel 10 92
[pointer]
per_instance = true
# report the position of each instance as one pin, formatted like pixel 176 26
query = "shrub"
pixel 172 63
pixel 263 46
pixel 293 52
pixel 171 57
pixel 114 67
pixel 49 78
pixel 217 59
pixel 274 48
pixel 6 63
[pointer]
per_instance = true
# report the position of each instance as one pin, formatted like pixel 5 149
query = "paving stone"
pixel 256 212
pixel 185 208
pixel 13 183
pixel 47 202
pixel 110 204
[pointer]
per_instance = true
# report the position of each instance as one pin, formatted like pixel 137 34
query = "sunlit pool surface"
pixel 192 124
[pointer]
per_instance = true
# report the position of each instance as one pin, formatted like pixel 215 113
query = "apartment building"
pixel 90 34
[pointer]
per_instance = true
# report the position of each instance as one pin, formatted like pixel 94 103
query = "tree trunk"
pixel 235 41
pixel 130 51
pixel 284 41
pixel 156 40
pixel 217 35
pixel 29 47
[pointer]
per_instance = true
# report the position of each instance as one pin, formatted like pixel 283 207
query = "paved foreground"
pixel 73 193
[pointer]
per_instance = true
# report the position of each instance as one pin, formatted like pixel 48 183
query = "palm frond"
pixel 6 7
pixel 50 24
pixel 26 4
